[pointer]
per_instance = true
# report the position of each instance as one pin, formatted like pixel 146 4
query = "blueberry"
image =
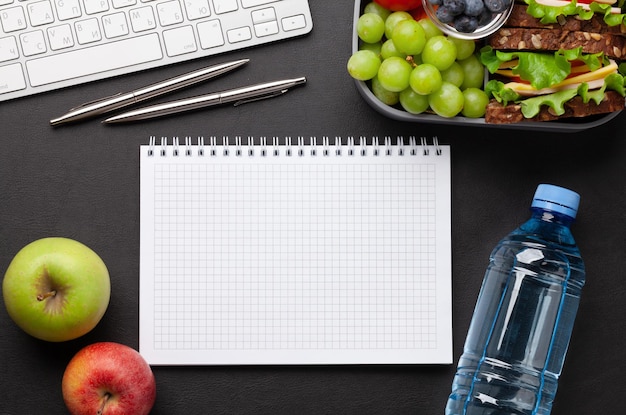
pixel 474 7
pixel 496 6
pixel 456 7
pixel 444 15
pixel 435 2
pixel 465 23
pixel 485 17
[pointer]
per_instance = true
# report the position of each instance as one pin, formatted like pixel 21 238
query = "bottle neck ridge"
pixel 550 216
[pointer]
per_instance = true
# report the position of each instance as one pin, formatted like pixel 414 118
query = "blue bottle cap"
pixel 557 199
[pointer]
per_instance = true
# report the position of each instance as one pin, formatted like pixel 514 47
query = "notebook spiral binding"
pixel 291 147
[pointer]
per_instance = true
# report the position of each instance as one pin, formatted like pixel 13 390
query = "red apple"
pixel 108 379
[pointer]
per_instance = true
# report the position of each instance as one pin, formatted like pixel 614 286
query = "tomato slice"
pixel 399 5
pixel 418 13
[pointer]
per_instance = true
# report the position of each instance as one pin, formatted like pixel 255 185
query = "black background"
pixel 82 182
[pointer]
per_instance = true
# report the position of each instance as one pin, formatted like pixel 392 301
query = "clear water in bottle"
pixel 522 324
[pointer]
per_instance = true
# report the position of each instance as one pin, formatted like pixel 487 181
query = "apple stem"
pixel 105 398
pixel 41 297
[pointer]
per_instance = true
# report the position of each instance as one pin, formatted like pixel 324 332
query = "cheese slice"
pixel 594 79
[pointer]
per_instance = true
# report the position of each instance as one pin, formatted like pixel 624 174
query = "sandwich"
pixel 555 60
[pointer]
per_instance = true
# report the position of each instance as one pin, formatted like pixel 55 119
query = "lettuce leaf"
pixel 611 19
pixel 550 14
pixel 541 70
pixel 503 95
pixel 616 82
pixel 596 95
pixel 556 101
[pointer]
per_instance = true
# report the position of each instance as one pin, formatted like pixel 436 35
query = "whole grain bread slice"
pixel 512 113
pixel 535 39
pixel 520 18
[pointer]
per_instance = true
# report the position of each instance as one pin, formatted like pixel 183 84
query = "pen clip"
pixel 95 101
pixel 259 98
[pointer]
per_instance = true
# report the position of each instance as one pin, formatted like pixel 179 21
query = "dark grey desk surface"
pixel 82 182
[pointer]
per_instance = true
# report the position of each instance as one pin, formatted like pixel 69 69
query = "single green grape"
pixel 393 19
pixel 447 101
pixel 454 74
pixel 425 78
pixel 385 96
pixel 412 102
pixel 374 47
pixel 474 72
pixel 464 47
pixel 388 49
pixel 394 73
pixel 475 102
pixel 376 8
pixel 429 28
pixel 409 37
pixel 363 65
pixel 370 28
pixel 439 51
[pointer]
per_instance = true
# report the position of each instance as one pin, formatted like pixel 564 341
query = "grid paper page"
pixel 305 255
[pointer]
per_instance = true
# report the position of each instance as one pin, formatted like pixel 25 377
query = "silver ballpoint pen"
pixel 112 103
pixel 237 96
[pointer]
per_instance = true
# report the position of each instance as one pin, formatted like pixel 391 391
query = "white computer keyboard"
pixel 50 44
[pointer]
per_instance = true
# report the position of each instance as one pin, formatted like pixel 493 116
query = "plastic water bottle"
pixel 523 320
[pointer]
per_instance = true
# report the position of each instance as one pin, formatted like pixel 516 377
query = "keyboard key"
pixel 67 9
pixel 224 6
pixel 95 59
pixel 210 34
pixel 8 49
pixel 60 37
pixel 40 13
pixel 33 43
pixel 263 15
pixel 142 19
pixel 197 9
pixel 293 22
pixel 11 78
pixel 118 4
pixel 88 31
pixel 13 19
pixel 253 3
pixel 115 25
pixel 239 34
pixel 179 41
pixel 266 29
pixel 96 6
pixel 169 13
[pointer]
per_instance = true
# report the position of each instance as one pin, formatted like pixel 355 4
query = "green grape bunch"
pixel 411 63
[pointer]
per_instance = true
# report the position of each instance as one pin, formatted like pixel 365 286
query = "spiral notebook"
pixel 282 251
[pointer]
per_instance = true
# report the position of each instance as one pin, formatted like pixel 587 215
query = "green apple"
pixel 56 289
